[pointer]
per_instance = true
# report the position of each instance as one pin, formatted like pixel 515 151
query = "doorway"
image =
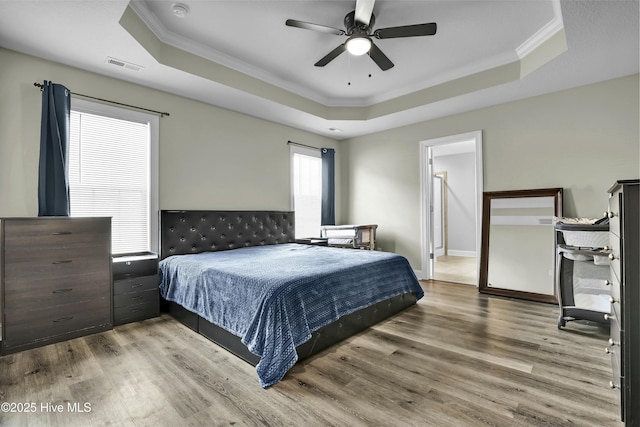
pixel 451 207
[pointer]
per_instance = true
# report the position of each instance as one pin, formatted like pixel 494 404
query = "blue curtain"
pixel 328 187
pixel 53 172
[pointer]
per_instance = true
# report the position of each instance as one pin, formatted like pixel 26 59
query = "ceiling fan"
pixel 359 30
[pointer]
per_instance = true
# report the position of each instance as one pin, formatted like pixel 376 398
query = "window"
pixel 113 172
pixel 306 190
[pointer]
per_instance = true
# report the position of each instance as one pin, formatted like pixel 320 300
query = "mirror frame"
pixel 487 197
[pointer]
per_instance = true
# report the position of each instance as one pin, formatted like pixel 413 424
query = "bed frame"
pixel 191 232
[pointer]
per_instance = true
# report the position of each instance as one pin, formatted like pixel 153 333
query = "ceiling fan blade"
pixel 406 31
pixel 364 9
pixel 314 27
pixel 380 58
pixel 330 56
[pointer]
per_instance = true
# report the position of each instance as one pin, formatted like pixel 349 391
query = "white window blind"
pixel 307 192
pixel 109 175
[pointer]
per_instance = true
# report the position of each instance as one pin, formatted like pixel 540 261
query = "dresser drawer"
pixel 615 366
pixel 135 284
pixel 55 264
pixel 46 234
pixel 617 380
pixel 618 315
pixel 615 332
pixel 614 285
pixel 614 213
pixel 123 300
pixel 39 293
pixel 135 266
pixel 614 256
pixel 27 326
pixel 136 312
pixel 617 357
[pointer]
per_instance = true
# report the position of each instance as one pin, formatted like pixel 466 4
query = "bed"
pixel 239 279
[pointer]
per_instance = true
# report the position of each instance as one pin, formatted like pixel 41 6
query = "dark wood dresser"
pixel 135 287
pixel 624 345
pixel 55 280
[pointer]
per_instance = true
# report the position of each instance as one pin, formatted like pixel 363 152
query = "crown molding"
pixel 543 34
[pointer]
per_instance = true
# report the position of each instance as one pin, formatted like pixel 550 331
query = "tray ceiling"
pixel 241 56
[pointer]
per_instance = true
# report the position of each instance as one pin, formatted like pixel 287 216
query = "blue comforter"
pixel 273 297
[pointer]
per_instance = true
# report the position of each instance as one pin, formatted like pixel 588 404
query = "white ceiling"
pixel 240 55
pixel 251 37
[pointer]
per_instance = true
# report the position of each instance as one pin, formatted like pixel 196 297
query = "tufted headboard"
pixel 192 232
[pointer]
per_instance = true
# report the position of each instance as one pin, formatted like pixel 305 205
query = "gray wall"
pixel 210 158
pixel 581 139
pixel 461 200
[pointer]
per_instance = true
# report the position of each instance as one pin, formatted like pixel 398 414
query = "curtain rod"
pixel 302 145
pixel 160 113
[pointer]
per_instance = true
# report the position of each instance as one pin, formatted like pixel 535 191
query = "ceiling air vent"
pixel 123 64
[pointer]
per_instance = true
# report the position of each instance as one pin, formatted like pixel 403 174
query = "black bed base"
pixel 324 337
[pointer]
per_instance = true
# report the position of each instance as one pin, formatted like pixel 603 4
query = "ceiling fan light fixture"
pixel 358 45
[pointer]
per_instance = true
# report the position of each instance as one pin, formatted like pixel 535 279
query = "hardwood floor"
pixel 457 358
pixel 456 269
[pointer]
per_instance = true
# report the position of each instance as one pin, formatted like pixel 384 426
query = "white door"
pixel 438 216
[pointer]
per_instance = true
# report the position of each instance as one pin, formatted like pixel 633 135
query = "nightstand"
pixel 135 287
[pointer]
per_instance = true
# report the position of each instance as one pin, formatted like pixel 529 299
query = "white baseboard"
pixel 420 274
pixel 452 252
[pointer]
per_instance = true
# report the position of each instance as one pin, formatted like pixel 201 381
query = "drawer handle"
pixel 137 297
pixel 613 385
pixel 59 291
pixel 607 283
pixel 63 261
pixel 63 319
pixel 608 350
pixel 61 233
pixel 612 342
pixel 137 285
pixel 612 300
pixel 136 309
pixel 612 257
pixel 608 317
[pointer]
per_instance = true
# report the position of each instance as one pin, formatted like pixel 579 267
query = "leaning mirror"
pixel 518 243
